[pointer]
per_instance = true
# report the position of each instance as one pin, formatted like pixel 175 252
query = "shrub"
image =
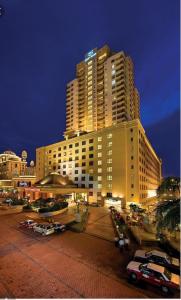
pixel 55 207
pixel 27 207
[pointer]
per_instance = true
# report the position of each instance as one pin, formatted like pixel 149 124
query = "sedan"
pixel 58 227
pixel 159 258
pixel 28 224
pixel 155 275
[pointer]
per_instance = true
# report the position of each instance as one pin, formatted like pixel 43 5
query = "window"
pixel 99 178
pixel 109 152
pixel 90 185
pixel 91 163
pixel 109 144
pixel 113 82
pixel 83 142
pixel 90 178
pixel 83 149
pixel 109 136
pixel 132 195
pixel 59 149
pixel 91 171
pixel 99 138
pixel 82 185
pixel 83 171
pixel 76 178
pixel 131 139
pixel 91 141
pixel 109 177
pixel 132 185
pixel 83 156
pixel 110 185
pixel 91 155
pixel 77 151
pixel 64 172
pixel 131 130
pixel 70 146
pixel 76 171
pixel 109 195
pixel 99 170
pixel 70 158
pixel 109 169
pixel 99 185
pixel 76 165
pixel 76 158
pixel 132 157
pixel 50 162
pixel 132 167
pixel 76 144
pixel 90 193
pixel 83 178
pixel 59 161
pixel 54 156
pixel 50 151
pixel 59 154
pixel 91 148
pixel 83 164
pixel 99 154
pixel 99 147
pixel 99 162
pixel 109 161
pixel 65 147
pixel 64 166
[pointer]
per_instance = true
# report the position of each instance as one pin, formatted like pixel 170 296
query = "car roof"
pixel 155 267
pixel 158 253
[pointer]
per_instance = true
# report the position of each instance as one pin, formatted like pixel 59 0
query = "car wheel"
pixel 133 277
pixel 165 289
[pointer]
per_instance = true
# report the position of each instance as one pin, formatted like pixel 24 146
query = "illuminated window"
pixel 109 136
pixel 113 66
pixel 109 161
pixel 110 185
pixel 99 138
pixel 99 162
pixel 109 177
pixel 99 178
pixel 109 169
pixel 109 152
pixel 99 147
pixel 109 144
pixel 113 72
pixel 99 185
pixel 99 170
pixel 99 154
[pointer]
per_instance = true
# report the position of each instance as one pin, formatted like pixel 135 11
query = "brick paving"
pixel 69 265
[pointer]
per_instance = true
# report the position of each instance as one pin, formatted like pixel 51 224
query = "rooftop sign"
pixel 90 54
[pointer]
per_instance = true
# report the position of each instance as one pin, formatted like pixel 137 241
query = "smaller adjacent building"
pixel 57 186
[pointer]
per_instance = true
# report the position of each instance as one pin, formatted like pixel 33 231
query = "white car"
pixel 39 228
pixel 48 229
pixel 159 258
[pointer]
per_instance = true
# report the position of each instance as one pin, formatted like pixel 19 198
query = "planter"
pixel 53 213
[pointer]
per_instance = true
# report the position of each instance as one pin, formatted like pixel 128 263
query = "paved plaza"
pixel 68 265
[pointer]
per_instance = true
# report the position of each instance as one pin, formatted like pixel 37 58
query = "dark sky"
pixel 42 40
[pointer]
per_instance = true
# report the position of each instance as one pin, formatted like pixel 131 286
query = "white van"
pixel 48 229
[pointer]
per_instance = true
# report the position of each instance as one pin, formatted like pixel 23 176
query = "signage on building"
pixel 90 54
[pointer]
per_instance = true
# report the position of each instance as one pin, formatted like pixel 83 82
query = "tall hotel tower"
pixel 103 93
pixel 105 148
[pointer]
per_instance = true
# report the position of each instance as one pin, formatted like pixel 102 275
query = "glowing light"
pixel 151 193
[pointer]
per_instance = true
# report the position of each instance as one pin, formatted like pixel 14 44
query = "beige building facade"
pixel 103 93
pixel 116 162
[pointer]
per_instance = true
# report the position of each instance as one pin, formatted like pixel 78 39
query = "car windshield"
pixel 167 274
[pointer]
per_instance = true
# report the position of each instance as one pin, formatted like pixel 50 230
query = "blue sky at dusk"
pixel 40 43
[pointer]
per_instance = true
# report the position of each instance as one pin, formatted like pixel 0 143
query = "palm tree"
pixel 169 185
pixel 168 215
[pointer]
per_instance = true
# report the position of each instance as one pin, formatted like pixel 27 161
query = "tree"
pixel 169 186
pixel 168 215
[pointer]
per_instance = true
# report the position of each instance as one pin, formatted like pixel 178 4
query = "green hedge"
pixel 56 206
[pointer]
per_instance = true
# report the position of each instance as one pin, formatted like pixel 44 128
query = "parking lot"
pixel 67 265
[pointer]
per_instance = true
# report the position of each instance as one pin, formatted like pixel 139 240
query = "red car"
pixel 28 224
pixel 155 275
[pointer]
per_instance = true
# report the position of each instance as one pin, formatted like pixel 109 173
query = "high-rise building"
pixel 103 93
pixel 105 148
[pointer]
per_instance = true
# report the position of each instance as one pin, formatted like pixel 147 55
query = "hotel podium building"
pixel 105 148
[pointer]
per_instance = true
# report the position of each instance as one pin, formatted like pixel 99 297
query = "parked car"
pixel 48 229
pixel 28 224
pixel 58 227
pixel 159 258
pixel 39 228
pixel 155 275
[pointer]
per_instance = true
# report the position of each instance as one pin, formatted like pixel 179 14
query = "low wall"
pixel 53 213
